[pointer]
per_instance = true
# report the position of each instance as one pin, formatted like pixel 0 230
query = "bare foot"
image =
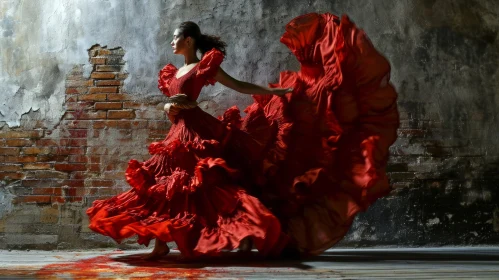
pixel 160 250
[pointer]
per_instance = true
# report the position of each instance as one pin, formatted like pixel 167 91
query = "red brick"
pixel 78 76
pixel 101 183
pixel 85 115
pixel 70 167
pixel 46 142
pixel 98 60
pixel 118 97
pixel 71 98
pixel 36 150
pixel 12 175
pixel 36 166
pixel 132 105
pixel 73 183
pixel 103 89
pixel 104 83
pixel 22 134
pixel 108 105
pixel 108 68
pixel 69 151
pixel 120 114
pixel 57 199
pixel 50 174
pixel 76 123
pixel 9 151
pixel 77 142
pixel 50 157
pixel 92 96
pixel 78 158
pixel 122 124
pixel 46 191
pixel 121 76
pixel 76 90
pixel 18 142
pixel 103 52
pixel 38 183
pixel 94 167
pixel 20 159
pixel 77 133
pixel 10 167
pixel 42 199
pixel 97 75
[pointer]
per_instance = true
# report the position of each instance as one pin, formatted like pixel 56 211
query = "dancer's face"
pixel 181 45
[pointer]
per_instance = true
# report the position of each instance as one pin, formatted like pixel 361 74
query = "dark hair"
pixel 203 42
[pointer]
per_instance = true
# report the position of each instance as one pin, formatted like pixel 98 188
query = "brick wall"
pixel 53 174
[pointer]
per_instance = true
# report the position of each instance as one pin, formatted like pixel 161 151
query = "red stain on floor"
pixel 107 267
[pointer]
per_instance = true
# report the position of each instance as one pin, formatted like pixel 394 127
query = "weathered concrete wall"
pixel 72 113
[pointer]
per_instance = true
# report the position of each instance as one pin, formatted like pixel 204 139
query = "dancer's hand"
pixel 281 91
pixel 171 109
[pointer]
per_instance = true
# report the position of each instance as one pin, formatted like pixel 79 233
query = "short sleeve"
pixel 164 78
pixel 209 64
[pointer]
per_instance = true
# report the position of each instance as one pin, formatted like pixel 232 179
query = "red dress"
pixel 187 192
pixel 315 157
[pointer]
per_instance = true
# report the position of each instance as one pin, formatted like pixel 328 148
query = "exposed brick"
pixel 57 199
pixel 74 183
pixel 103 52
pixel 11 175
pixel 78 158
pixel 150 114
pixel 76 123
pixel 22 134
pixel 69 151
pixel 98 60
pixel 132 105
pixel 76 90
pixel 75 142
pixel 121 114
pixel 70 167
pixel 118 97
pixel 46 142
pixel 47 191
pixel 97 75
pixel 94 167
pixel 122 124
pixel 103 90
pixel 122 76
pixel 115 60
pixel 36 150
pixel 18 142
pixel 92 96
pixel 108 68
pixel 21 159
pixel 36 166
pixel 46 174
pixel 42 199
pixel 10 167
pixel 51 157
pixel 108 83
pixel 101 183
pixel 108 105
pixel 85 115
pixel 9 151
pixel 38 183
pixel 77 133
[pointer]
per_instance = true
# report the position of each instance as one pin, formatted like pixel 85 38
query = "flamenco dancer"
pixel 290 176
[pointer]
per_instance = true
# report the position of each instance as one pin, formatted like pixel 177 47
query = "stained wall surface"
pixel 79 98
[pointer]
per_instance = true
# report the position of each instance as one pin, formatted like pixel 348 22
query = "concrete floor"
pixel 421 263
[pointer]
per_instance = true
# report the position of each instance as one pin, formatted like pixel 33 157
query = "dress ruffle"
pixel 164 78
pixel 209 65
pixel 326 160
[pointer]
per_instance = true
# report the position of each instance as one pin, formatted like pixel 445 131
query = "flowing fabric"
pixel 295 169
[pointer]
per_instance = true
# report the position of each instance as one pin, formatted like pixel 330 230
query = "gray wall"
pixel 443 53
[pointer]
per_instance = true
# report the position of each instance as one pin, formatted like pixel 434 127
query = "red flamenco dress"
pixel 327 141
pixel 188 192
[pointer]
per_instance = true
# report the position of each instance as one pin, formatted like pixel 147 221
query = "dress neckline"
pixel 175 76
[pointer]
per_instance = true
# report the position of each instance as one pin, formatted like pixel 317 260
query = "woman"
pixel 315 157
pixel 188 191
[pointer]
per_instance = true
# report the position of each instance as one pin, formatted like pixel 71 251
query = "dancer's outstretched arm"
pixel 245 87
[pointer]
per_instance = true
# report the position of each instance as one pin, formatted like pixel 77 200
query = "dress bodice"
pixel 193 81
